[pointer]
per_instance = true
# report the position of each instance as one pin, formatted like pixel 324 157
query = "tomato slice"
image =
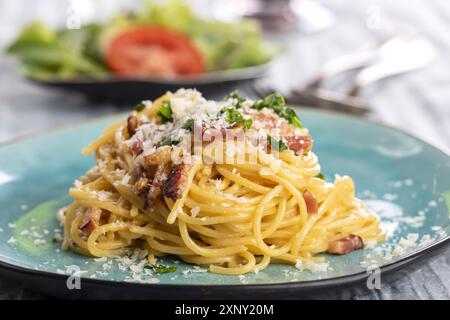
pixel 153 50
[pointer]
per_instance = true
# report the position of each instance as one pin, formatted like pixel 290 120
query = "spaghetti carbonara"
pixel 230 184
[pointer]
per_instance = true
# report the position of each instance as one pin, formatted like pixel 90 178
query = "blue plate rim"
pixel 388 268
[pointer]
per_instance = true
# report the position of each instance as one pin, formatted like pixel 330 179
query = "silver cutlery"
pixel 356 60
pixel 397 55
pixel 412 55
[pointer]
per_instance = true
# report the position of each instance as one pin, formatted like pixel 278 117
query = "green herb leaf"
pixel 248 124
pixel 235 95
pixel 160 268
pixel 167 142
pixel 290 115
pixel 277 145
pixel 234 116
pixel 276 102
pixel 165 112
pixel 139 107
pixel 188 124
pixel 296 122
pixel 320 175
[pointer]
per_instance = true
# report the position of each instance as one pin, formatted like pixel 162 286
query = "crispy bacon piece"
pixel 142 185
pixel 177 181
pixel 136 173
pixel 311 202
pixel 299 143
pixel 156 188
pixel 161 156
pixel 162 160
pixel 270 121
pixel 210 134
pixel 132 124
pixel 137 147
pixel 91 219
pixel 346 245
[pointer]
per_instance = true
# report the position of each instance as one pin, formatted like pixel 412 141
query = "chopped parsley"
pixel 167 142
pixel 248 124
pixel 140 106
pixel 235 95
pixel 276 102
pixel 165 112
pixel 320 175
pixel 188 124
pixel 290 115
pixel 160 268
pixel 232 115
pixel 276 145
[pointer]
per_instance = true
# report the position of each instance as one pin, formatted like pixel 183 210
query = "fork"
pixel 396 55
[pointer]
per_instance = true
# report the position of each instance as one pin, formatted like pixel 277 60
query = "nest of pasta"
pixel 231 184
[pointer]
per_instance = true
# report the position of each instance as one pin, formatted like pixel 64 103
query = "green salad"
pixel 159 39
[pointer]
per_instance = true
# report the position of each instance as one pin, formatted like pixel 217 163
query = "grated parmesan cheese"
pixel 188 102
pixel 195 211
pixel 299 264
pixel 39 242
pixel 78 184
pixel 414 222
pixel 404 244
pixel 425 240
pixel 316 267
pixel 370 244
pixel 432 203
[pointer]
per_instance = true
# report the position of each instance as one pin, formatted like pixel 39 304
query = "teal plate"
pixel 401 177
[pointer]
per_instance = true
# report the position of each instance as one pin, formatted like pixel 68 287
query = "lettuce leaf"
pixel 44 53
pixel 34 34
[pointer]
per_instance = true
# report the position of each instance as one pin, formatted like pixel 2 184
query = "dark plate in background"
pixel 132 90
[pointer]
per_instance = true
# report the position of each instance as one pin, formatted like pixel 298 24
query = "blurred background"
pixel 310 33
pixel 378 59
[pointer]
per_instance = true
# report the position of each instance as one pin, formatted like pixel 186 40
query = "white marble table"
pixel 418 102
